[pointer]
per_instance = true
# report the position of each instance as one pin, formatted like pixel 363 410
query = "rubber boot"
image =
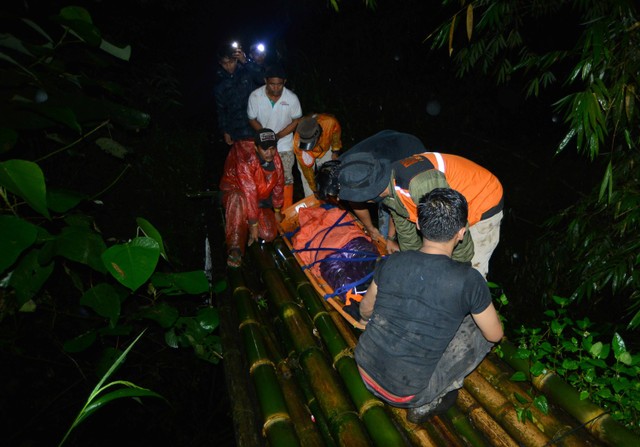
pixel 288 196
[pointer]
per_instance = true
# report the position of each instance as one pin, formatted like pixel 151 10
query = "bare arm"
pixel 366 305
pixel 489 324
pixel 255 124
pixel 287 130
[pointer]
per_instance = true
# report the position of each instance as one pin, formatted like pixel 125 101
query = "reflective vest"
pixel 480 187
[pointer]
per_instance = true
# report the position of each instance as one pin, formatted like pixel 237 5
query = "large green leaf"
pixel 29 276
pixel 192 283
pixel 81 244
pixel 132 263
pixel 80 343
pixel 25 179
pixel 105 300
pixel 150 231
pixel 208 318
pixel 79 21
pixel 62 201
pixel 15 236
pixel 163 314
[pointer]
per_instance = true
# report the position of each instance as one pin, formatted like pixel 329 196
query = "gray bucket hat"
pixel 363 178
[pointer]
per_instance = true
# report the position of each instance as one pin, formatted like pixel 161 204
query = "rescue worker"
pixel 273 106
pixel 387 145
pixel 317 139
pixel 400 185
pixel 252 193
pixel 429 320
pixel 232 91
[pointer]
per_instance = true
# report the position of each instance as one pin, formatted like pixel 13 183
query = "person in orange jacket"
pixel 317 139
pixel 401 185
pixel 252 187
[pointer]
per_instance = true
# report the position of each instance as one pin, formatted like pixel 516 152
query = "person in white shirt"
pixel 275 107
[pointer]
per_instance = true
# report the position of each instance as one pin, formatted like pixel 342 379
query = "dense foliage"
pixel 63 107
pixel 586 54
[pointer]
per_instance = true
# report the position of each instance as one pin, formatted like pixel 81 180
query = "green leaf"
pixel 123 53
pixel 104 299
pixel 29 276
pixel 131 391
pixel 162 313
pixel 208 318
pixel 79 343
pixel 57 114
pixel 192 283
pixel 584 395
pixel 520 398
pixel 541 404
pixel 132 263
pixel 570 364
pixel 219 286
pixel 537 368
pixel 617 343
pixel 171 339
pixel 625 357
pixel 150 231
pixel 62 201
pixel 81 244
pixel 518 376
pixel 596 350
pixel 25 179
pixel 78 20
pixel 16 235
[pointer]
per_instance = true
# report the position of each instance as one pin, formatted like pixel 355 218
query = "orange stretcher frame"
pixel 289 224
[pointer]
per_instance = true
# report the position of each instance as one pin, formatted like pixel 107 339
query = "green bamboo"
pixel 465 429
pixel 377 421
pixel 301 416
pixel 492 431
pixel 343 420
pixel 504 412
pixel 244 418
pixel 560 432
pixel 596 420
pixel 277 427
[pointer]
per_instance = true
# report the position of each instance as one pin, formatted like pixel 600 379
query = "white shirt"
pixel 277 116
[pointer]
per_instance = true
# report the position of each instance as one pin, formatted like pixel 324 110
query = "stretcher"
pixel 288 227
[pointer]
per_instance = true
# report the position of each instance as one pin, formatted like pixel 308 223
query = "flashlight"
pixel 235 45
pixel 260 47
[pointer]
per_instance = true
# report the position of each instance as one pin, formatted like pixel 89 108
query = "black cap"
pixel 266 138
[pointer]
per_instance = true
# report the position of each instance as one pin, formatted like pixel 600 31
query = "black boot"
pixel 440 405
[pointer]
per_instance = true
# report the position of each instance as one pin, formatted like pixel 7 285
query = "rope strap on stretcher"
pixel 369 256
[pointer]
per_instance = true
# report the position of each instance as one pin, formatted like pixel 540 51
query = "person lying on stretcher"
pixel 336 249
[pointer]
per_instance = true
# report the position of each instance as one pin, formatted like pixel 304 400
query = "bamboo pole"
pixel 237 381
pixel 594 418
pixel 277 427
pixel 561 433
pixel 303 420
pixel 343 420
pixel 483 420
pixel 503 412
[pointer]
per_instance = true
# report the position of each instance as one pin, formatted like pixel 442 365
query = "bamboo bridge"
pixel 293 381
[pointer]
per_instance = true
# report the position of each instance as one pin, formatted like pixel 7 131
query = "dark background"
pixel 370 69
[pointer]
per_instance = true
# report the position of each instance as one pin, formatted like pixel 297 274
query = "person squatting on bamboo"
pixel 400 185
pixel 317 139
pixel 429 319
pixel 273 106
pixel 252 193
pixel 388 145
